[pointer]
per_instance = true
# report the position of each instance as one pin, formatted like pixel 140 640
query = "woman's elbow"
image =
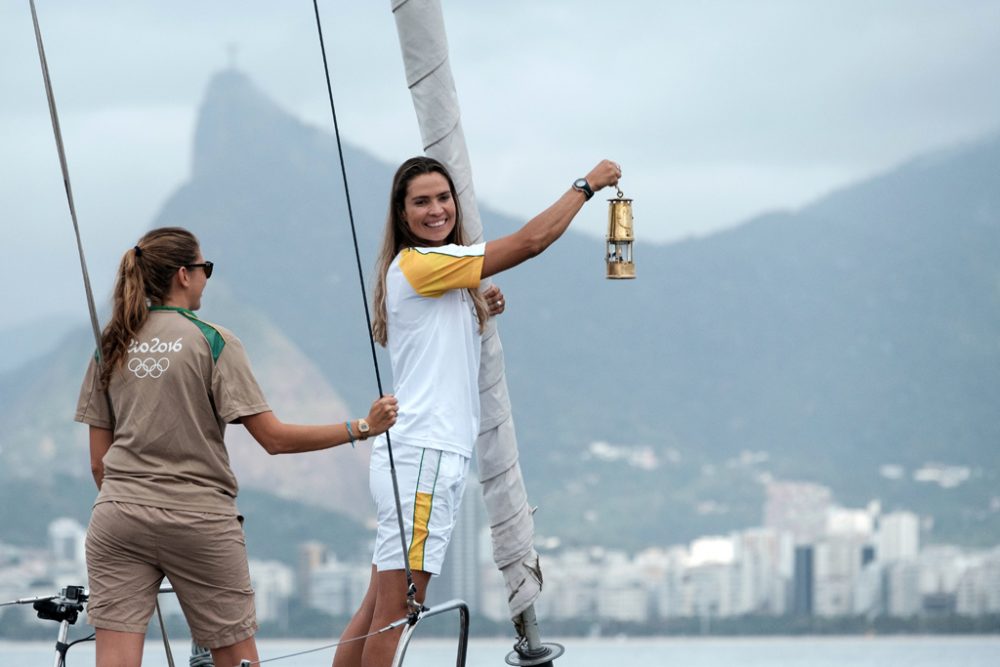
pixel 538 248
pixel 273 445
pixel 269 439
pixel 535 245
pixel 267 431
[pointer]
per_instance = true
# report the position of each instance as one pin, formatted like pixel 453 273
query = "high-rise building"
pixel 338 587
pixel 837 564
pixel 571 582
pixel 669 591
pixel 799 508
pixel 621 591
pixel 709 590
pixel 903 588
pixel 68 564
pixel 869 590
pixel 867 554
pixel 847 521
pixel 898 537
pixel 460 572
pixel 802 581
pixel 979 588
pixel 941 568
pixel 312 555
pixel 273 584
pixel 763 563
pixel 66 540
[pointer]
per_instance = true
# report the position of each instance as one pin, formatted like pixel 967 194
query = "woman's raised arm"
pixel 542 231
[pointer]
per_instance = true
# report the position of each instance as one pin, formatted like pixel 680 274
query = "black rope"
pixel 411 588
pixel 92 308
pixel 65 174
pixel 325 647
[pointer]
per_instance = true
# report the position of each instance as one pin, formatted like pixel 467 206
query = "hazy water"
pixel 964 651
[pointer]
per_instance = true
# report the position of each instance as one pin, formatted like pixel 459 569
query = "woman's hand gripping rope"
pixel 495 300
pixel 382 414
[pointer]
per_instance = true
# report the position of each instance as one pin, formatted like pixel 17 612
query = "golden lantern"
pixel 620 238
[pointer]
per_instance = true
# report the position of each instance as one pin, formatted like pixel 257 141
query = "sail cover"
pixel 420 25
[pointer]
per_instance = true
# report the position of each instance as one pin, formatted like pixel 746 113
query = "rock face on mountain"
pixel 823 344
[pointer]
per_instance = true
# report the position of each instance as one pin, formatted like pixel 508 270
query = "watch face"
pixel 363 426
pixel 580 183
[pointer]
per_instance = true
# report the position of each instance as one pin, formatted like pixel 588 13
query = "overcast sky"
pixel 717 111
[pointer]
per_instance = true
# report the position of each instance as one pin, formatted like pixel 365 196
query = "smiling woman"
pixel 430 314
pixel 430 209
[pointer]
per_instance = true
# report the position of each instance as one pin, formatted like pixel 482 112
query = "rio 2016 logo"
pixel 150 366
pixel 155 345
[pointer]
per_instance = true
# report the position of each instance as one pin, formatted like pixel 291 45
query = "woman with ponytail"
pixel 157 397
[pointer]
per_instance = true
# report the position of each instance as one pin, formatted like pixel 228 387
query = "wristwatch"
pixel 363 429
pixel 583 186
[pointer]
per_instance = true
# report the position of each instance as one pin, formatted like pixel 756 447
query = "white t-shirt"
pixel 434 344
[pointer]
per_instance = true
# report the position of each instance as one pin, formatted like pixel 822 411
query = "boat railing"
pixel 445 607
pixel 66 606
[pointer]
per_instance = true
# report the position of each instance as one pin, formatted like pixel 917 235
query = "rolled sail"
pixel 420 25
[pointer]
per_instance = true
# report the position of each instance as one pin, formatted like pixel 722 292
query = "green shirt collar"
pixel 185 311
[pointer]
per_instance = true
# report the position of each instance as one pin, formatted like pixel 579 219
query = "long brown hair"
pixel 398 236
pixel 144 277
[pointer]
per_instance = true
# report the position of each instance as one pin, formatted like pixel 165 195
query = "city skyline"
pixel 862 563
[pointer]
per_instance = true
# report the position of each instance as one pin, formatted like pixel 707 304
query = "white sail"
pixel 420 25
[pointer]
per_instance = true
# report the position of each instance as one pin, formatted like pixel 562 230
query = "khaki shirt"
pixel 182 381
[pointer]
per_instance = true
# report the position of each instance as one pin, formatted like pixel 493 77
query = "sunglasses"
pixel 208 266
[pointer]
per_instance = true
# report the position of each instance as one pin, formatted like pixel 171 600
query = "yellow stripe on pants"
pixel 421 519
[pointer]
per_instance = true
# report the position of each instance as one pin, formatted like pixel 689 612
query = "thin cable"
pixel 391 626
pixel 411 588
pixel 89 638
pixel 65 174
pixel 92 308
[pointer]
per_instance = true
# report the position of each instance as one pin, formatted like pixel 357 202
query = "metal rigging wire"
pixel 411 588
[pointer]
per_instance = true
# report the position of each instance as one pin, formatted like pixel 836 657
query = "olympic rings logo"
pixel 148 367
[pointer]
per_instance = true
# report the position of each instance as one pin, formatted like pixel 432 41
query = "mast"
pixel 420 25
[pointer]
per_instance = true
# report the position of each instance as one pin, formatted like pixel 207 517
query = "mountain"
pixel 44 442
pixel 841 343
pixel 25 341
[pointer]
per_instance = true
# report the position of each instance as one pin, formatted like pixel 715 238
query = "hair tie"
pixel 138 251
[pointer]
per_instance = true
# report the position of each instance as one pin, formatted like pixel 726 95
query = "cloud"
pixel 717 110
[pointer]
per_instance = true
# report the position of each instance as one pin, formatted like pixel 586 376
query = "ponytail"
pixel 144 277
